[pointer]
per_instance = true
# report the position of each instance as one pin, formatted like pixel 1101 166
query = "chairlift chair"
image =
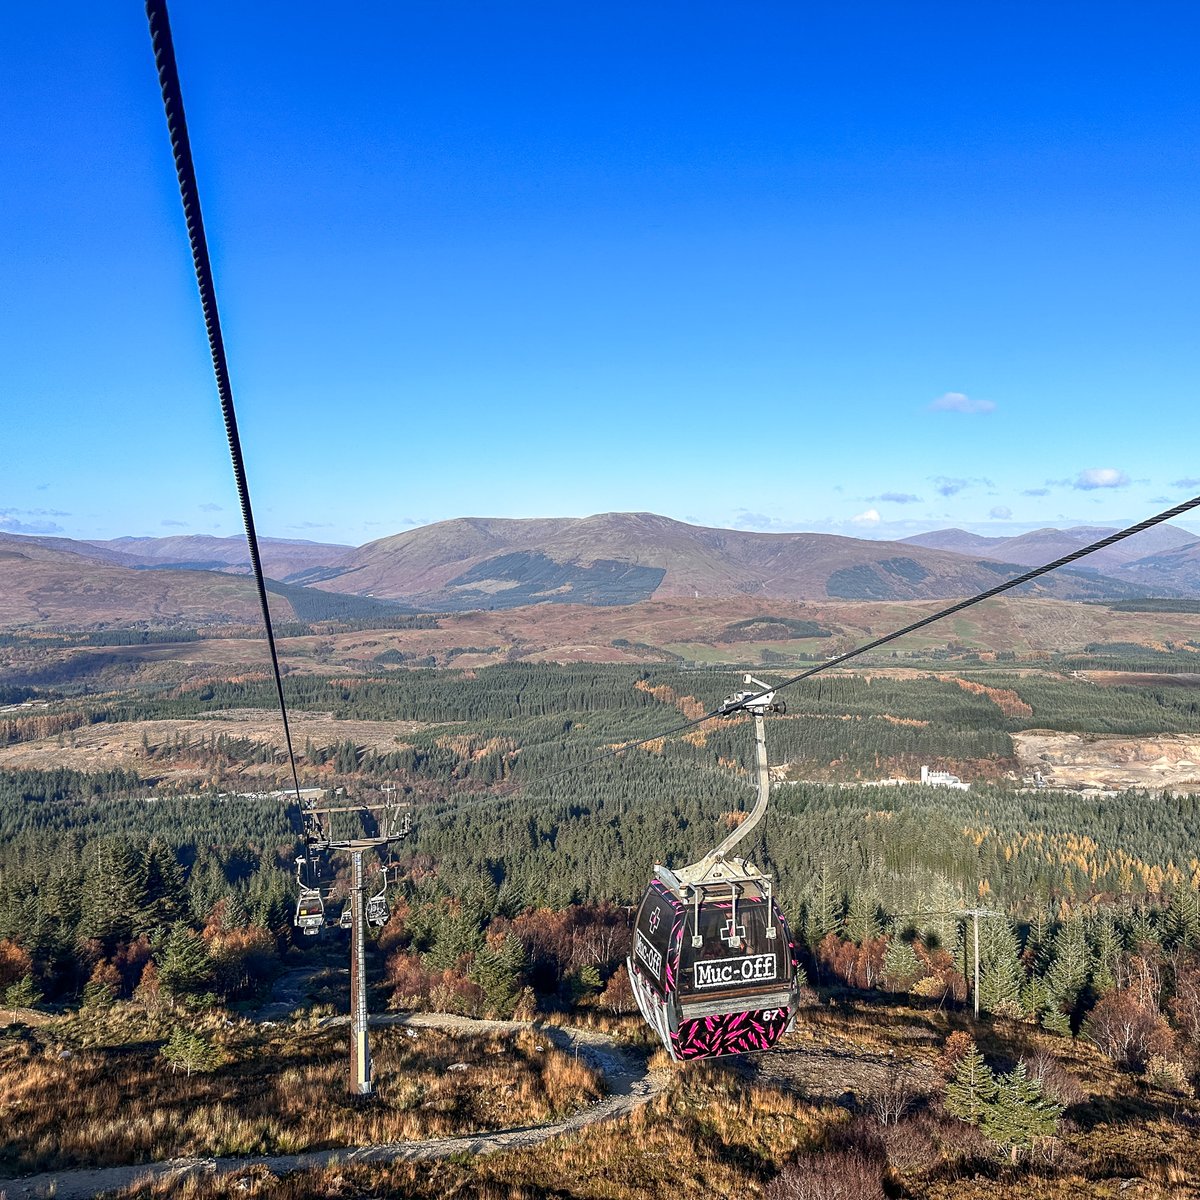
pixel 310 908
pixel 377 906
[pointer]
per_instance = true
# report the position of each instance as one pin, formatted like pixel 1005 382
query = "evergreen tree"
pixel 497 970
pixel 1143 930
pixel 901 966
pixel 1106 952
pixel 113 894
pixel 206 885
pixel 862 921
pixel 972 1089
pixel 163 888
pixel 22 994
pixel 1070 970
pixel 184 965
pixel 824 908
pixel 236 915
pixel 1019 1114
pixel 188 1051
pixel 939 923
pixel 1000 973
pixel 1034 997
pixel 1182 923
pixel 456 933
pixel 1037 943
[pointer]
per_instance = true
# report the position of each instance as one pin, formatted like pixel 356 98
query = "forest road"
pixel 629 1081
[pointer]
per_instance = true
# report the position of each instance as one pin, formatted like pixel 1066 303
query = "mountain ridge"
pixel 498 563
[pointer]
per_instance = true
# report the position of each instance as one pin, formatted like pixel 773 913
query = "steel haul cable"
pixel 189 194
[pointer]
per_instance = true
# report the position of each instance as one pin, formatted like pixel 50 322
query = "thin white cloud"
pixel 947 486
pixel 759 522
pixel 1000 513
pixel 1100 477
pixel 12 520
pixel 1036 492
pixel 1188 482
pixel 897 498
pixel 176 524
pixel 12 525
pixel 870 517
pixel 211 508
pixel 959 402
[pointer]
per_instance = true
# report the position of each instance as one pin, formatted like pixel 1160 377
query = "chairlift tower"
pixel 392 823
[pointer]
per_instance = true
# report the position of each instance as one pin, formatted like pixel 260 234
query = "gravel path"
pixel 630 1084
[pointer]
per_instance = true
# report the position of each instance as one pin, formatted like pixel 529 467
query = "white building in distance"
pixel 943 779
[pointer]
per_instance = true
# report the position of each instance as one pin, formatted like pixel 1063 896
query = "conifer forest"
pixel 146 912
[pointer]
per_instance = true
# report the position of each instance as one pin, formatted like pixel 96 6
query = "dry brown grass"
pixel 282 1094
pixel 711 1135
pixel 715 1132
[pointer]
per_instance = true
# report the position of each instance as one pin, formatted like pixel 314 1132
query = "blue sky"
pixel 866 269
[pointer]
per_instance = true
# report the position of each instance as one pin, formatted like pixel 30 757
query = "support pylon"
pixel 360 1083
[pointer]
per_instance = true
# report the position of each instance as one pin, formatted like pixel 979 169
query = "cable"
pixel 837 660
pixel 189 194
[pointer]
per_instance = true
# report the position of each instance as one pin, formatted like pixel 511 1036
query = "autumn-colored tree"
pixel 103 986
pixel 241 958
pixel 1185 1006
pixel 957 1046
pixel 15 963
pixel 409 980
pixel 149 991
pixel 1127 1030
pixel 617 996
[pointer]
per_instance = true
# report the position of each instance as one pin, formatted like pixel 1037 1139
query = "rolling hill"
pixel 42 587
pixel 1044 545
pixel 493 563
pixel 281 557
pixel 623 558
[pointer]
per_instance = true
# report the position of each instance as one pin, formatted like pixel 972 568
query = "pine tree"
pixel 1070 970
pixel 497 970
pixel 825 908
pixel 901 966
pixel 188 1051
pixel 113 893
pixel 1182 924
pixel 1143 931
pixel 939 923
pixel 1034 997
pixel 163 887
pixel 206 885
pixel 235 915
pixel 1000 973
pixel 972 1089
pixel 1019 1114
pixel 22 994
pixel 1106 952
pixel 184 966
pixel 862 921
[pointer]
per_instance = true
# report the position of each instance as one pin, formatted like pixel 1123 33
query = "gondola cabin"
pixel 310 914
pixel 713 965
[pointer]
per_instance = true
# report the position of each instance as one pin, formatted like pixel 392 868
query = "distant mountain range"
pixel 621 558
pixel 612 558
pixel 1164 560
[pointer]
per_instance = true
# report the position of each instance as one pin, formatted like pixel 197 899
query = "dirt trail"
pixel 630 1084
